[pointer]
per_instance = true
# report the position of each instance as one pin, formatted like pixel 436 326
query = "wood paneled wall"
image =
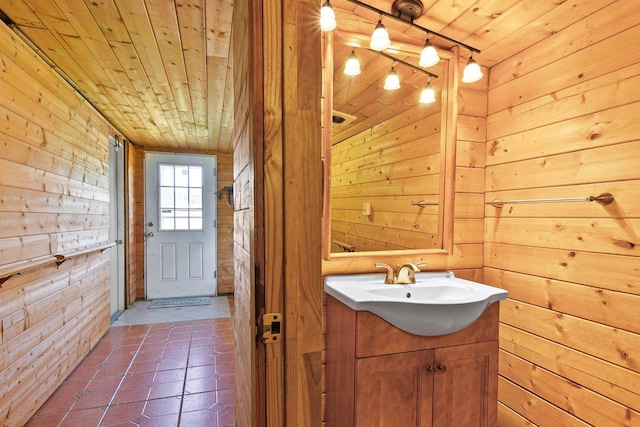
pixel 225 219
pixel 244 207
pixel 302 196
pixel 468 214
pixel 54 197
pixel 563 122
pixel 136 222
pixel 388 166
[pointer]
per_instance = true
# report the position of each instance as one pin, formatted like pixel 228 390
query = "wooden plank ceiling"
pixel 159 70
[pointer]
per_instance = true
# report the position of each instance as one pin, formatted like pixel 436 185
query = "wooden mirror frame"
pixel 361 261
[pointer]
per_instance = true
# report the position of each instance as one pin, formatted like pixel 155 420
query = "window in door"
pixel 180 197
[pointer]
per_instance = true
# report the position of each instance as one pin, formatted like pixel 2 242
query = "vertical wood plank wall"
pixel 388 166
pixel 563 122
pixel 136 198
pixel 243 212
pixel 302 185
pixel 54 196
pixel 224 216
pixel 225 224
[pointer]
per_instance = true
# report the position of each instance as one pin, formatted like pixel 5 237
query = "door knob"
pixel 431 369
pixel 150 234
pixel 441 368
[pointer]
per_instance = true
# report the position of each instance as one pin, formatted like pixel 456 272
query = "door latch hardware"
pixel 271 328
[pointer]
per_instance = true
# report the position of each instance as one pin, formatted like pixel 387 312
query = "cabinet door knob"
pixel 431 369
pixel 441 368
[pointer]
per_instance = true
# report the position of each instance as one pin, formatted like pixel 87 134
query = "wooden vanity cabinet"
pixel 379 375
pixel 394 390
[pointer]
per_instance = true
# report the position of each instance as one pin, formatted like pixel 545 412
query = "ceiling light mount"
pixel 408 10
pixel 426 30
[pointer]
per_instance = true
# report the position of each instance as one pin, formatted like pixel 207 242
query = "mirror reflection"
pixel 387 152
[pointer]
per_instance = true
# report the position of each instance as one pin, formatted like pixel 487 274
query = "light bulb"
pixel 472 72
pixel 392 82
pixel 429 56
pixel 428 95
pixel 380 38
pixel 327 17
pixel 352 66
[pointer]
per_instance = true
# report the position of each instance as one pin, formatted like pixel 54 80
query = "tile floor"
pixel 172 373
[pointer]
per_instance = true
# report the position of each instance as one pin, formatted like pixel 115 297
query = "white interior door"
pixel 180 212
pixel 116 228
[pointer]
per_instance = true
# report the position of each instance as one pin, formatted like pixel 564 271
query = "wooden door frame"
pixel 285 184
pixel 293 208
pixel 259 239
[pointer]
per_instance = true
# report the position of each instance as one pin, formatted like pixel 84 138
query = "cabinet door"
pixel 466 385
pixel 394 390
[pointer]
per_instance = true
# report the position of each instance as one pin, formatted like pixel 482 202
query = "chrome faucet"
pixel 405 275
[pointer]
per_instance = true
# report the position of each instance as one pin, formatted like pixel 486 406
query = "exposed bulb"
pixel 392 82
pixel 380 38
pixel 327 17
pixel 352 66
pixel 429 56
pixel 472 71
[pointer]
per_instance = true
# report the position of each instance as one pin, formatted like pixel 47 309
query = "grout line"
pixel 184 381
pixel 124 376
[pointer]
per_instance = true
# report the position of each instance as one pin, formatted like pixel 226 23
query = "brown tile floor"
pixel 164 374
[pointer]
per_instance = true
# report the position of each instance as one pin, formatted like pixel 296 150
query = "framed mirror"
pixel 389 159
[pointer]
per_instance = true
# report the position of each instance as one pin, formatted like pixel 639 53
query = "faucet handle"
pixel 413 266
pixel 407 273
pixel 390 277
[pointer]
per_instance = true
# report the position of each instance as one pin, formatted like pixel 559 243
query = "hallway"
pixel 174 373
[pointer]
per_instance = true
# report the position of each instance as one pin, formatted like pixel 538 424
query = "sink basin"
pixel 437 304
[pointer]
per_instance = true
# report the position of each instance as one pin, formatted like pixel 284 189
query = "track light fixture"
pixel 392 82
pixel 428 95
pixel 405 11
pixel 472 71
pixel 327 17
pixel 429 55
pixel 400 61
pixel 352 66
pixel 380 38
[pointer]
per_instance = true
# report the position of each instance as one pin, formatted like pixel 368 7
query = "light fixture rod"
pixel 435 76
pixel 428 31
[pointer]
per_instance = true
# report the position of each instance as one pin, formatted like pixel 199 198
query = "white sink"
pixel 437 304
